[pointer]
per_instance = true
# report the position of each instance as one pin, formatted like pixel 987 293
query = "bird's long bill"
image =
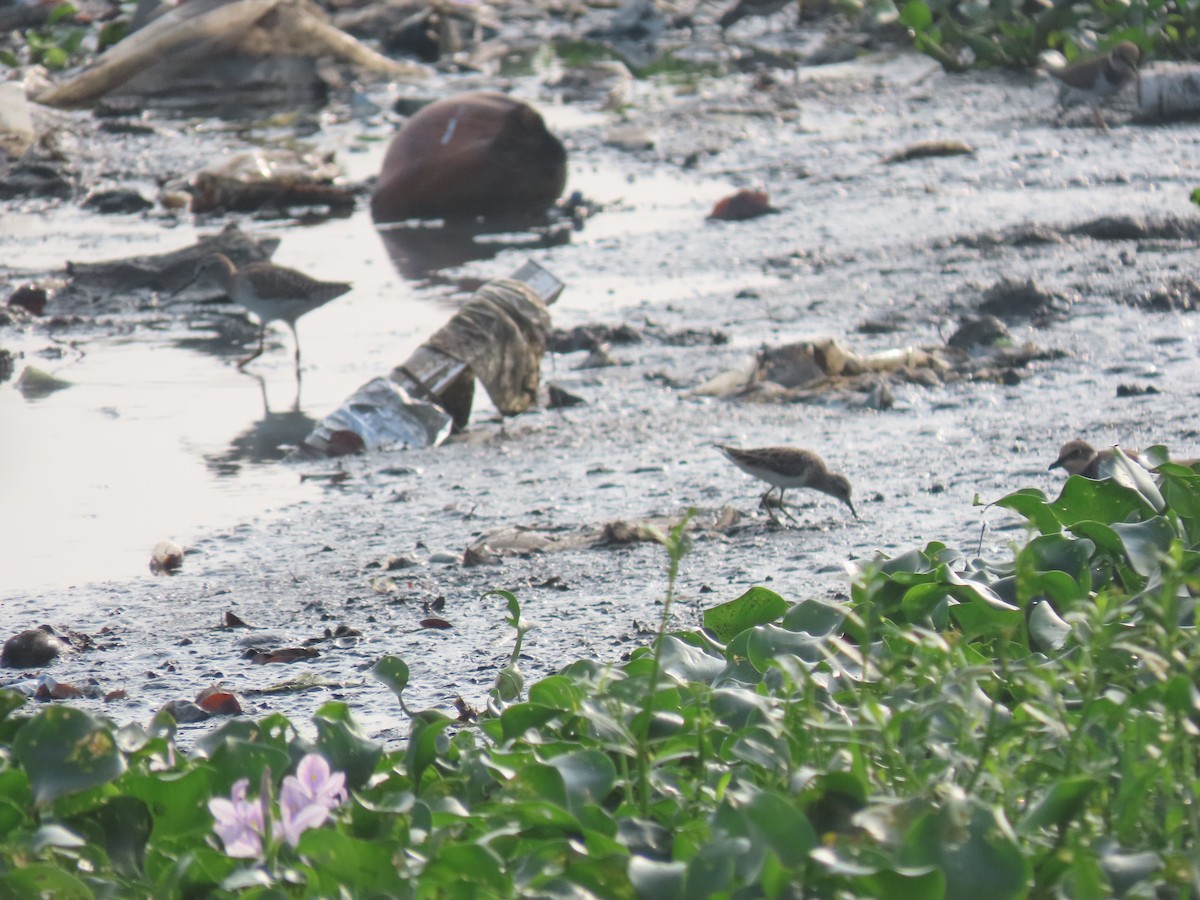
pixel 853 511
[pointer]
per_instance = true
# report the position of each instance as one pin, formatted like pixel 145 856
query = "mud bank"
pixel 877 255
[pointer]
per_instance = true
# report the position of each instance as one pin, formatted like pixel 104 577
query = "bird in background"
pixel 1097 78
pixel 745 8
pixel 1078 457
pixel 789 467
pixel 1081 458
pixel 272 293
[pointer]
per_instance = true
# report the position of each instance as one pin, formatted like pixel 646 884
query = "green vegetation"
pixel 53 45
pixel 959 728
pixel 1012 32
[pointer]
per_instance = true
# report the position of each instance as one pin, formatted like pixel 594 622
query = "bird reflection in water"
pixel 269 439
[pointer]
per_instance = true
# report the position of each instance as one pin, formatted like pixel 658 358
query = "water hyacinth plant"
pixel 960 35
pixel 1022 727
pixel 304 802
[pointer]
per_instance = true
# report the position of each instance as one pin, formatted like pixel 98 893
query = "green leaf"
pixel 712 869
pixel 64 750
pixel 45 880
pixel 1048 631
pixel 588 776
pixel 916 15
pixel 1033 506
pixel 369 867
pixel 472 864
pixel 1126 870
pixel 557 692
pixel 521 717
pixel 393 672
pixel 778 823
pixel 975 848
pixel 511 603
pixel 757 606
pixel 422 750
pixel 654 880
pixel 55 836
pixel 906 884
pixel 1057 552
pixel 60 12
pixel 1146 543
pixel 985 619
pixel 9 701
pixel 344 746
pixel 177 800
pixel 687 662
pixel 769 641
pixel 1060 804
pixel 926 604
pixel 123 825
pixel 817 617
pixel 1105 501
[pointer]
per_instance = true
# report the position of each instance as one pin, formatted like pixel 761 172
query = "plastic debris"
pixel 499 337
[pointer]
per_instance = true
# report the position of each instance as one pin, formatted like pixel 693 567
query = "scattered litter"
pixel 166 559
pixel 270 179
pixel 218 702
pixel 262 657
pixel 498 337
pixel 479 153
pixel 930 149
pixel 825 370
pixel 34 383
pixel 742 206
pixel 980 331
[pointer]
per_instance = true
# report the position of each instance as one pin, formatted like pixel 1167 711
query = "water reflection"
pixel 267 440
pixel 418 252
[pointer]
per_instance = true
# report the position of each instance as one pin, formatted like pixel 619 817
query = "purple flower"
pixel 239 821
pixel 306 797
pixel 316 783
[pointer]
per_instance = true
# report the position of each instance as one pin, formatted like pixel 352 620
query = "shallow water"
pixel 161 437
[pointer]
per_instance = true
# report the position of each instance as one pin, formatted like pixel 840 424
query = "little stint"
pixel 789 467
pixel 269 291
pixel 1098 78
pixel 1078 457
pixel 744 8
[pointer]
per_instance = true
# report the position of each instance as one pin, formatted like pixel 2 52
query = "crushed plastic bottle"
pixel 380 413
pixel 497 336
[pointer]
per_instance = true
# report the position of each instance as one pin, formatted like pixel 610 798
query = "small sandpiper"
pixel 1100 77
pixel 269 291
pixel 1079 457
pixel 789 467
pixel 745 8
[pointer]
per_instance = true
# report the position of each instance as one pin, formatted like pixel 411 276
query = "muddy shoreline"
pixel 913 244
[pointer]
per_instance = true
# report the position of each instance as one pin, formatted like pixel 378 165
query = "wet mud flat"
pixel 876 255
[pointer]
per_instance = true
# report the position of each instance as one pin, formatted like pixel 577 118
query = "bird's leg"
pixel 262 332
pixel 1100 123
pixel 765 503
pixel 783 507
pixel 296 340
